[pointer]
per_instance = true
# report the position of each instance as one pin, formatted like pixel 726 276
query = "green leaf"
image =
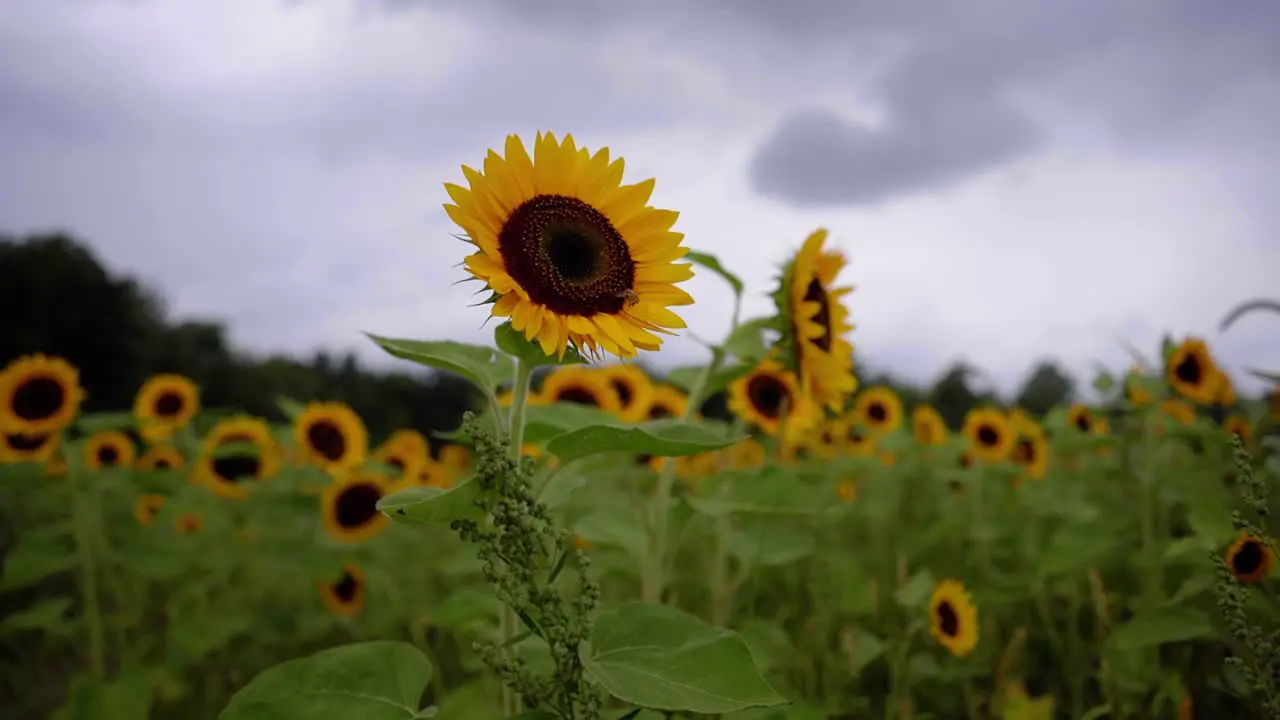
pixel 684 378
pixel 128 697
pixel 1168 624
pixel 514 343
pixel 485 367
pixel 1102 380
pixel 103 422
pixel 660 438
pixel 863 648
pixel 916 591
pixel 712 263
pixel 381 680
pixel 429 505
pixel 659 657
pixel 36 556
pixel 756 492
pixel 290 407
pixel 747 341
pixel 771 544
pixel 47 615
pixel 1076 546
pixel 619 527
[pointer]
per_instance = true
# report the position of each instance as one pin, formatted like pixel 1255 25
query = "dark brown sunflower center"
pixel 28 442
pixel 108 455
pixel 578 396
pixel 396 464
pixel 815 293
pixel 169 404
pixel 877 412
pixel 956 486
pixel 1083 422
pixel 855 436
pixel 1024 451
pixel 988 436
pixel 1189 370
pixel 624 392
pixel 346 588
pixel 234 467
pixel 357 505
pixel 38 398
pixel 567 256
pixel 162 464
pixel 948 620
pixel 658 412
pixel 827 437
pixel 327 440
pixel 768 394
pixel 1248 558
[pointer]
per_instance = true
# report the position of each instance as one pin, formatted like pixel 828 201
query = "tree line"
pixel 58 299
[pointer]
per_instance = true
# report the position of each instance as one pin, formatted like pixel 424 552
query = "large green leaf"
pixel 659 657
pixel 427 505
pixel 485 367
pixel 660 438
pixel 1168 624
pixel 712 263
pixel 379 680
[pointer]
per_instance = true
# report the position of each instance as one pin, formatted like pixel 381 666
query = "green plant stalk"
pixel 898 704
pixel 1074 651
pixel 89 576
pixel 512 704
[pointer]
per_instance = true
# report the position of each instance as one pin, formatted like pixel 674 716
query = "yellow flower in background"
pixel 928 427
pixel 224 470
pixel 1133 388
pixel 29 447
pixel 580 385
pixel 161 457
pixel 146 507
pixel 1225 394
pixel 879 409
pixel 1178 411
pixel 109 449
pixel 345 596
pixel 1239 426
pixel 633 388
pixel 38 394
pixel 816 323
pixel 1030 446
pixel 403 461
pixel 1193 373
pixel 858 441
pixel 165 403
pixel 573 256
pixel 455 460
pixel 409 441
pixel 847 490
pixel 188 523
pixel 953 618
pixel 746 454
pixel 666 401
pixel 988 434
pixel 769 397
pixel 332 436
pixel 1250 559
pixel 349 507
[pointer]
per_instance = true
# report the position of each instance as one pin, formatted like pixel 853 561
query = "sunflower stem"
pixel 89 575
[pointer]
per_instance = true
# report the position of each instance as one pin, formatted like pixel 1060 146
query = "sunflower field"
pixel 591 543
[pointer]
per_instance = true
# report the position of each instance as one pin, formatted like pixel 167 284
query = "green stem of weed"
pixel 89 575
pixel 899 676
pixel 512 704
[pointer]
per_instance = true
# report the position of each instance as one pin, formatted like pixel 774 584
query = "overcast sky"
pixel 1009 179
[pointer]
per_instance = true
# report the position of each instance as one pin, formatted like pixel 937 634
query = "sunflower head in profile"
pixel 349 507
pixel 331 435
pixel 238 450
pixel 188 523
pixel 574 257
pixel 29 447
pixel 988 434
pixel 165 403
pixel 1192 371
pixel 828 438
pixel 161 457
pixel 402 462
pixel 1225 393
pixel 1250 559
pixel 410 441
pixel 579 385
pixel 1178 411
pixel 858 440
pixel 746 454
pixel 953 618
pixel 666 401
pixel 928 427
pixel 879 409
pixel 1030 448
pixel 109 449
pixel 1136 394
pixel 815 323
pixel 1239 425
pixel 344 596
pixel 769 396
pixel 39 394
pixel 1081 418
pixel 147 507
pixel 633 388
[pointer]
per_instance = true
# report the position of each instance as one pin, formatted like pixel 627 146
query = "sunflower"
pixel 410 441
pixel 666 401
pixel 38 394
pixel 1081 418
pixel 1192 371
pixel 108 449
pixel 165 403
pixel 1178 411
pixel 695 467
pixel 857 441
pixel 435 474
pixel 455 459
pixel 928 427
pixel 1186 708
pixel 1250 559
pixel 572 256
pixel 988 433
pixel 331 435
pixel 847 490
pixel 817 324
pixel 188 523
pixel 879 409
pixel 579 385
pixel 1239 426
pixel 746 454
pixel 953 619
pixel 350 507
pixel 1225 395
pixel 1030 447
pixel 1133 389
pixel 345 598
pixel 29 447
pixel 404 462
pixel 225 473
pixel 828 440
pixel 633 388
pixel 161 457
pixel 769 396
pixel 146 507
